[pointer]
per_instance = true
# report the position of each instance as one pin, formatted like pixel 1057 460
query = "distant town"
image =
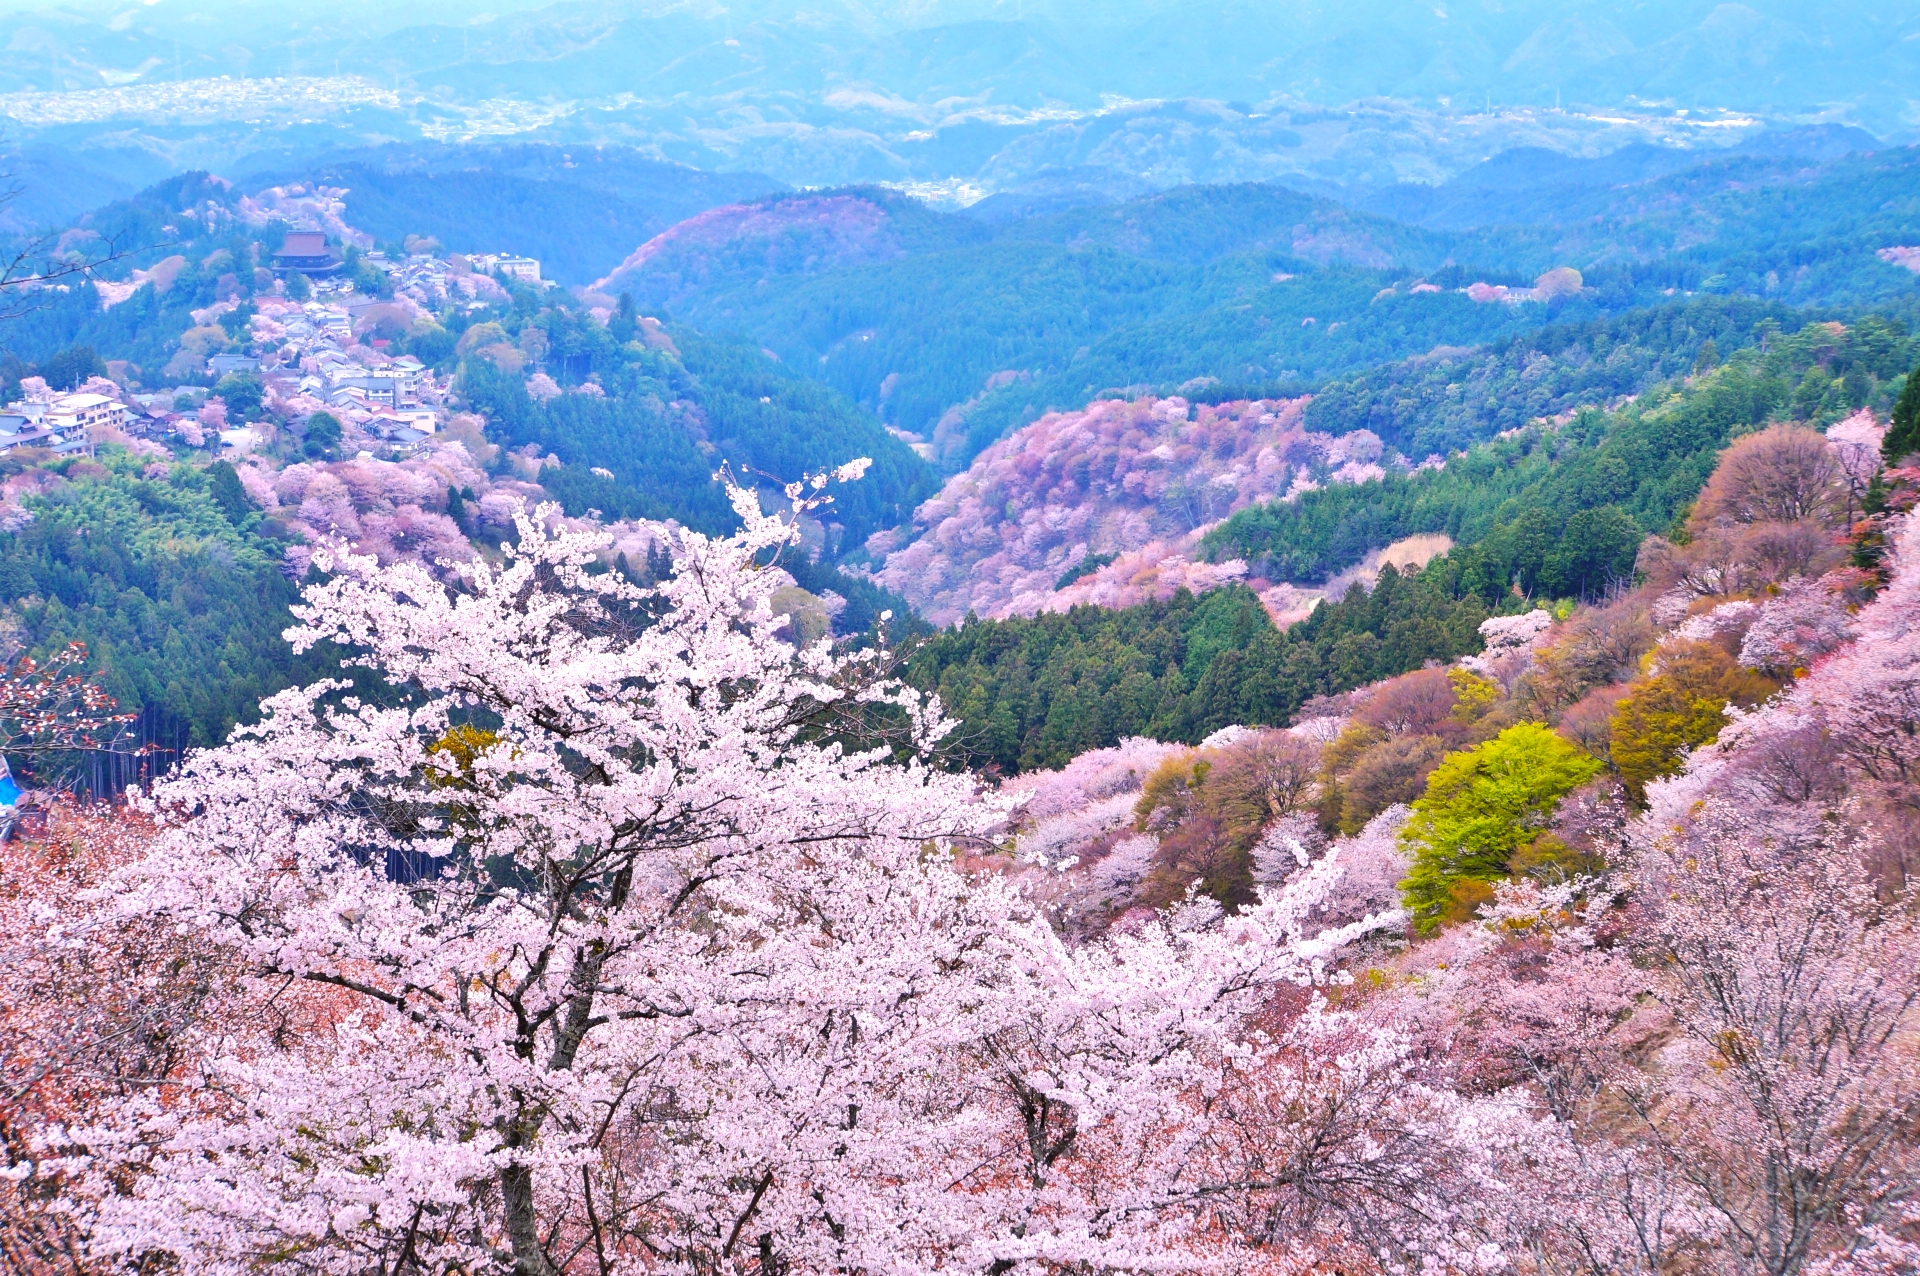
pixel 308 348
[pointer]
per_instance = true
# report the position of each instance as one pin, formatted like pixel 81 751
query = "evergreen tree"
pixel 323 434
pixel 1903 435
pixel 223 485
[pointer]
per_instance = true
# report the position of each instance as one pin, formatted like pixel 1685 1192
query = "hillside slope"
pixel 1071 501
pixel 911 312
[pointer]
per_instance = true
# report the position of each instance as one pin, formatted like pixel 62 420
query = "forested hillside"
pixel 1035 692
pixel 1554 514
pixel 660 418
pixel 1559 510
pixel 668 416
pixel 1533 184
pixel 140 233
pixel 1448 400
pixel 1075 492
pixel 912 314
pixel 172 581
pixel 1784 228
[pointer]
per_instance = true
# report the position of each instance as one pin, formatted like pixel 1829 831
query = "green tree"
pixel 223 485
pixel 432 345
pixel 323 434
pixel 237 322
pixel 1483 807
pixel 71 367
pixel 181 609
pixel 1903 436
pixel 1597 549
pixel 243 393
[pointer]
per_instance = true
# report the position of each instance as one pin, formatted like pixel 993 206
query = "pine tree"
pixel 1903 436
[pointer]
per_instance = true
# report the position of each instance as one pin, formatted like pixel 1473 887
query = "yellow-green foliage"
pixel 1678 709
pixel 1483 808
pixel 1473 695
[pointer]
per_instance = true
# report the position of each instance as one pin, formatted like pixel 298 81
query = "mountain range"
pixel 964 98
pixel 1769 55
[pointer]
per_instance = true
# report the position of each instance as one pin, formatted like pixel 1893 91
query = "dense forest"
pixel 912 316
pixel 1777 227
pixel 1034 692
pixel 918 313
pixel 669 415
pixel 170 578
pixel 1547 514
pixel 1446 401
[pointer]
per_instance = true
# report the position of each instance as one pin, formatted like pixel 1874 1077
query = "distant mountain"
pixel 54 185
pixel 1768 55
pixel 1784 228
pixel 913 312
pixel 957 329
pixel 753 243
pixel 1532 184
pixel 979 94
pixel 1055 190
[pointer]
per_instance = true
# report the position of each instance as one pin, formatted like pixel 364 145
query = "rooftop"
pixel 304 243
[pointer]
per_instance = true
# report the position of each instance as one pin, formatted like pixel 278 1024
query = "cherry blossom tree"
pixel 1794 983
pixel 1869 691
pixel 89 1016
pixel 546 856
pixel 54 706
pixel 604 930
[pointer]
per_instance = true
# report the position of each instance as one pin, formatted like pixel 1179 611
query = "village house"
pixel 65 423
pixel 221 365
pixel 389 387
pixel 20 430
pixel 74 415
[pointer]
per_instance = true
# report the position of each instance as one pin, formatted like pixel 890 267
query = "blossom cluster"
pixel 1133 482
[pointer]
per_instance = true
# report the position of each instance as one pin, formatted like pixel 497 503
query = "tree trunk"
pixel 523 1226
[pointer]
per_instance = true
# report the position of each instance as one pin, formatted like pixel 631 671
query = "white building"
pixel 390 387
pixel 76 419
pixel 525 269
pixel 65 423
